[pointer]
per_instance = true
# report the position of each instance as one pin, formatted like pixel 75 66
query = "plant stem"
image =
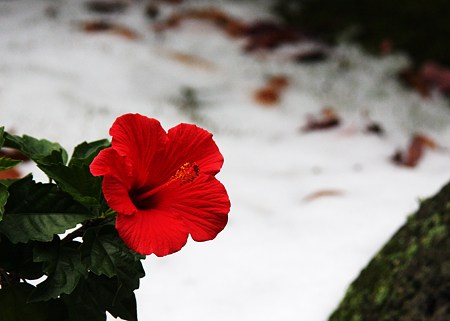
pixel 79 232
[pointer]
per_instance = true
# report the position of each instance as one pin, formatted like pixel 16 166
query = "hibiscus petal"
pixel 116 195
pixel 203 205
pixel 189 143
pixel 143 141
pixel 117 179
pixel 109 162
pixel 152 231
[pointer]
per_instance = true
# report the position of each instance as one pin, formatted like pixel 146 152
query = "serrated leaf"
pixel 18 258
pixel 76 178
pixel 78 182
pixel 62 264
pixel 3 199
pixel 98 294
pixel 14 305
pixel 7 163
pixel 36 211
pixel 41 151
pixel 85 152
pixel 105 253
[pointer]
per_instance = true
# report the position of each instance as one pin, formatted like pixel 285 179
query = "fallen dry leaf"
pixel 375 128
pixel 414 80
pixel 267 96
pixel 106 26
pixel 270 93
pixel 278 81
pixel 311 56
pixel 191 60
pixel 323 193
pixel 268 35
pixel 417 146
pixel 326 120
pixel 436 76
pixel 229 24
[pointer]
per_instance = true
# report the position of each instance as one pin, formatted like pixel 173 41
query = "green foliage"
pixel 36 211
pixel 7 163
pixel 3 198
pixel 84 153
pixel 39 150
pixel 13 300
pixel 62 230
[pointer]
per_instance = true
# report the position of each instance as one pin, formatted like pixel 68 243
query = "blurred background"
pixel 332 117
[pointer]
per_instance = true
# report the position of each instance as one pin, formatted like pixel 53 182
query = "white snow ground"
pixel 280 257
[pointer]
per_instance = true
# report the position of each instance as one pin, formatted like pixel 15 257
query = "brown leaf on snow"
pixel 270 93
pixel 322 193
pixel 417 146
pixel 268 35
pixel 311 56
pixel 267 96
pixel 326 120
pixel 375 128
pixel 97 26
pixel 191 60
pixel 414 80
pixel 229 24
pixel 436 76
pixel 278 81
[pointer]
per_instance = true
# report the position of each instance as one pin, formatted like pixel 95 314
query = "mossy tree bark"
pixel 409 279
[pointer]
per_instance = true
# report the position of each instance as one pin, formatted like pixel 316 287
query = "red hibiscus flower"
pixel 162 184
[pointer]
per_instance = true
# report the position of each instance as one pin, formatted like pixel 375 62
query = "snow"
pixel 282 256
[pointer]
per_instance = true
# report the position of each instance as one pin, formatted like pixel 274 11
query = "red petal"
pixel 189 143
pixel 143 141
pixel 117 180
pixel 116 195
pixel 152 231
pixel 203 205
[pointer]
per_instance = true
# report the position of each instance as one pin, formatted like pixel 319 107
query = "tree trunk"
pixel 409 279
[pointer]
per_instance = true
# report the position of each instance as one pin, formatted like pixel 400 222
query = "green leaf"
pixel 84 153
pixel 104 252
pixel 7 163
pixel 78 182
pixel 98 294
pixel 14 306
pixel 2 140
pixel 76 178
pixel 36 211
pixel 62 264
pixel 41 151
pixel 18 258
pixel 3 199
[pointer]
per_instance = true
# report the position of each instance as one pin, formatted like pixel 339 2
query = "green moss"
pixel 409 277
pixel 381 294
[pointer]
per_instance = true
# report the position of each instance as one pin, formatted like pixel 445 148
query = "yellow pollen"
pixel 186 173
